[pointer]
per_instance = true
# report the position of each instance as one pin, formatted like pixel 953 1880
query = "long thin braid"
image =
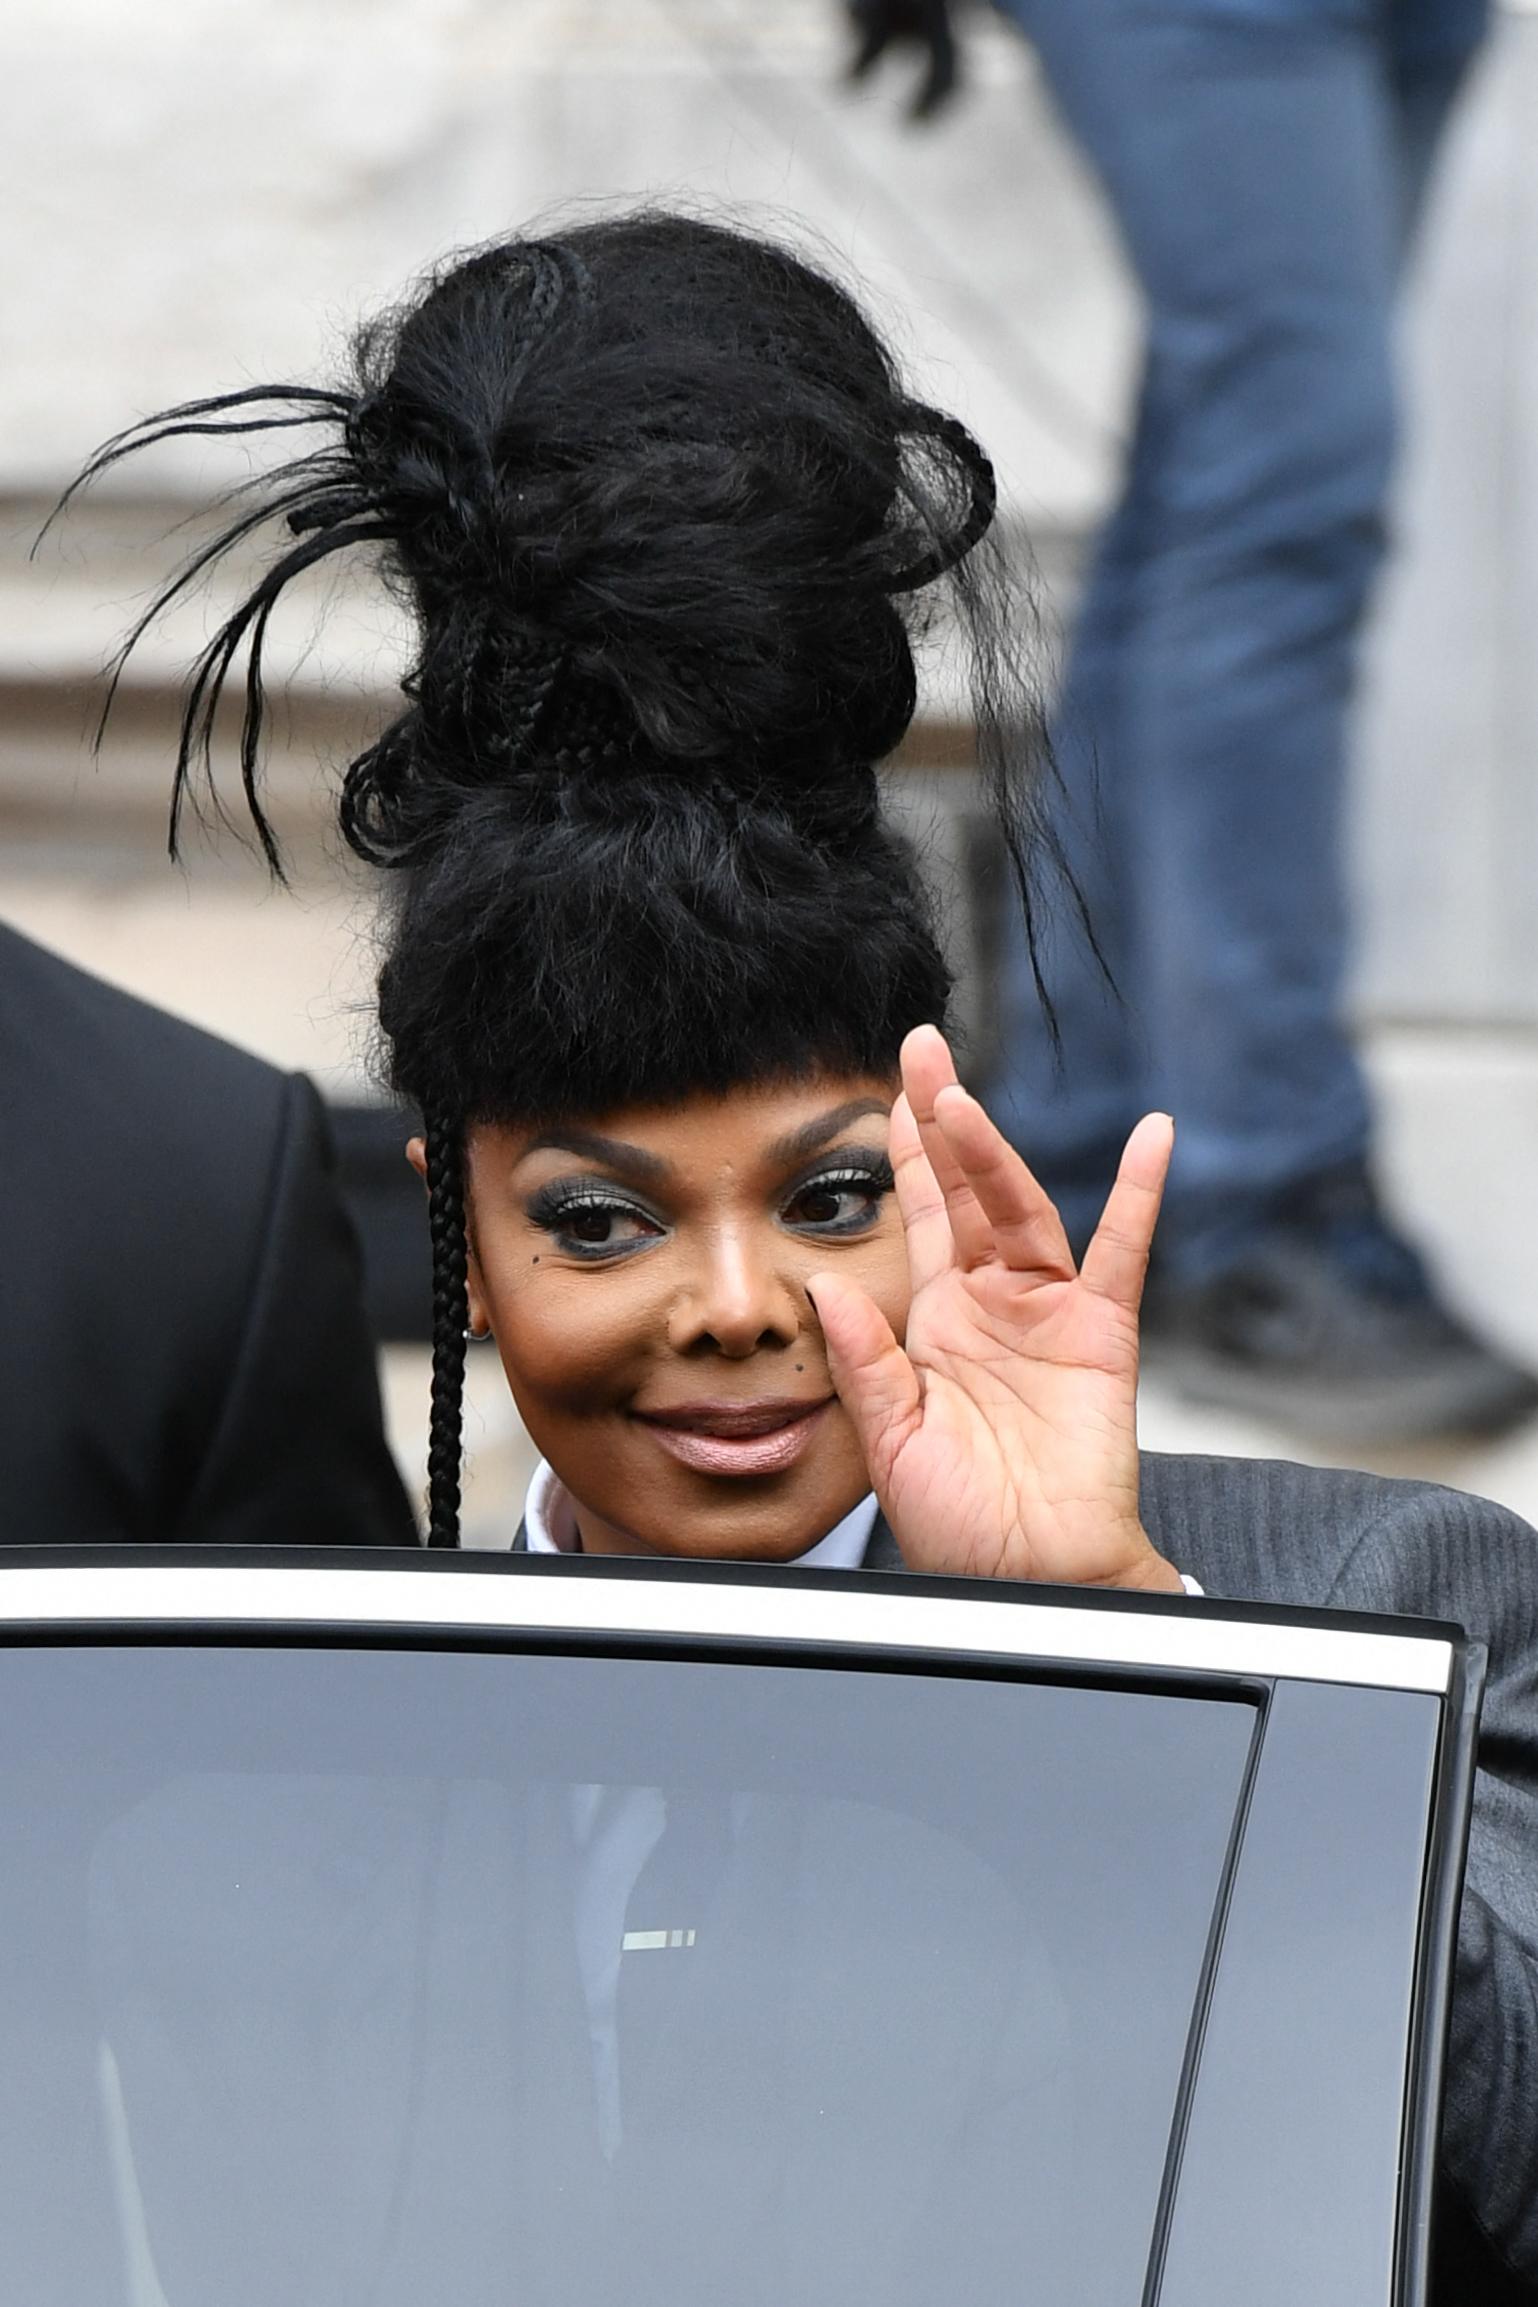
pixel 451 1314
pixel 970 457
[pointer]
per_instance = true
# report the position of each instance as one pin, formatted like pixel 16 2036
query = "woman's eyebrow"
pixel 813 1135
pixel 631 1160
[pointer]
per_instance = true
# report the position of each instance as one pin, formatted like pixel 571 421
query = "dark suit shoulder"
pixel 64 1031
pixel 144 1153
pixel 180 1327
pixel 1267 1530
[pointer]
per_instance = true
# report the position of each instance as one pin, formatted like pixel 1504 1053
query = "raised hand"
pixel 1001 1435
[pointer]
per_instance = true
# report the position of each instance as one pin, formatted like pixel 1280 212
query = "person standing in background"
pixel 1267 161
pixel 183 1354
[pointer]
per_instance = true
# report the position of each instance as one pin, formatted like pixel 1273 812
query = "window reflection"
pixel 427 1977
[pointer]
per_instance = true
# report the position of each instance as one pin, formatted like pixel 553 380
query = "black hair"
pixel 669 526
pixel 451 1314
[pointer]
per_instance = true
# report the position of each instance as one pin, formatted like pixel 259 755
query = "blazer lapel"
pixel 881 1552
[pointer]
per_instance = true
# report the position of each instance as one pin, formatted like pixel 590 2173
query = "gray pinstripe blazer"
pixel 1261 1530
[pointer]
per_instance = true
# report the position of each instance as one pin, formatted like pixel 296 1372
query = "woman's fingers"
pixel 927 1069
pixel 876 1382
pixel 926 1221
pixel 1025 1231
pixel 1116 1262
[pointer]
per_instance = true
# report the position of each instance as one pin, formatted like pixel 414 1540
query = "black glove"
pixel 883 24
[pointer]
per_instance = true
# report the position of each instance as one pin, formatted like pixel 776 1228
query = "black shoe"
pixel 1328 1322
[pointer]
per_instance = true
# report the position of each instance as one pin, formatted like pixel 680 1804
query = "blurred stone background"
pixel 196 194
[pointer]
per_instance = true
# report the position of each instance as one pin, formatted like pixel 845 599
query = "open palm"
pixel 1001 1435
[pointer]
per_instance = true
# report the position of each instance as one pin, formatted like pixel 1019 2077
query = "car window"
pixel 392 1978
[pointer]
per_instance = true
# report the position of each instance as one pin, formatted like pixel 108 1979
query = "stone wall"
pixel 199 192
pixel 196 191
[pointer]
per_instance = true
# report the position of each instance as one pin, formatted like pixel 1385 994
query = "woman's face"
pixel 644 1275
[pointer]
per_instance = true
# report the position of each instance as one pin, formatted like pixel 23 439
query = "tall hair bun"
pixel 666 520
pixel 658 500
pixel 681 459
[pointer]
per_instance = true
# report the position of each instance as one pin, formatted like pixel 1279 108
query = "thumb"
pixel 876 1382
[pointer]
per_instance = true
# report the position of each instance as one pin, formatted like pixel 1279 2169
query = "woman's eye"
pixel 841 1205
pixel 589 1224
pixel 595 1228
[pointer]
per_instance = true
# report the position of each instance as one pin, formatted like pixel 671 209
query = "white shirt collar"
pixel 550 1526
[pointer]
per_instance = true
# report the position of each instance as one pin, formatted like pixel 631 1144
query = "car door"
pixel 384 1930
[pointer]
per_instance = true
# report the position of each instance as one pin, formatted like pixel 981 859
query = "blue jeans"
pixel 1264 159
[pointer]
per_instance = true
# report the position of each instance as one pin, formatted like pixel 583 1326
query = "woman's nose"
pixel 738 1302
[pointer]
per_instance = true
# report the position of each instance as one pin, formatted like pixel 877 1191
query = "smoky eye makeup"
pixel 840 1194
pixel 592 1218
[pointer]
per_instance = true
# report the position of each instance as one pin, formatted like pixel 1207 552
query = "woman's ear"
pixel 480 1314
pixel 475 1292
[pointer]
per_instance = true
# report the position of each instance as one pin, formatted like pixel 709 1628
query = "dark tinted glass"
pixel 1303 2060
pixel 445 1979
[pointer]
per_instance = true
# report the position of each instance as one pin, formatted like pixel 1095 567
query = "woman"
pixel 766 1282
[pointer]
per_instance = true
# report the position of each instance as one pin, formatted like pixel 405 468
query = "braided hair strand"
pixel 451 1314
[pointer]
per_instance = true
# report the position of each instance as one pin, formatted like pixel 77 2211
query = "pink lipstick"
pixel 740 1438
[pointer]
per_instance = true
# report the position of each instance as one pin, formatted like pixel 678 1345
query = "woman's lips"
pixel 736 1438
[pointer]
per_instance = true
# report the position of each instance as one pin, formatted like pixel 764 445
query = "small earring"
pixel 474 1337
